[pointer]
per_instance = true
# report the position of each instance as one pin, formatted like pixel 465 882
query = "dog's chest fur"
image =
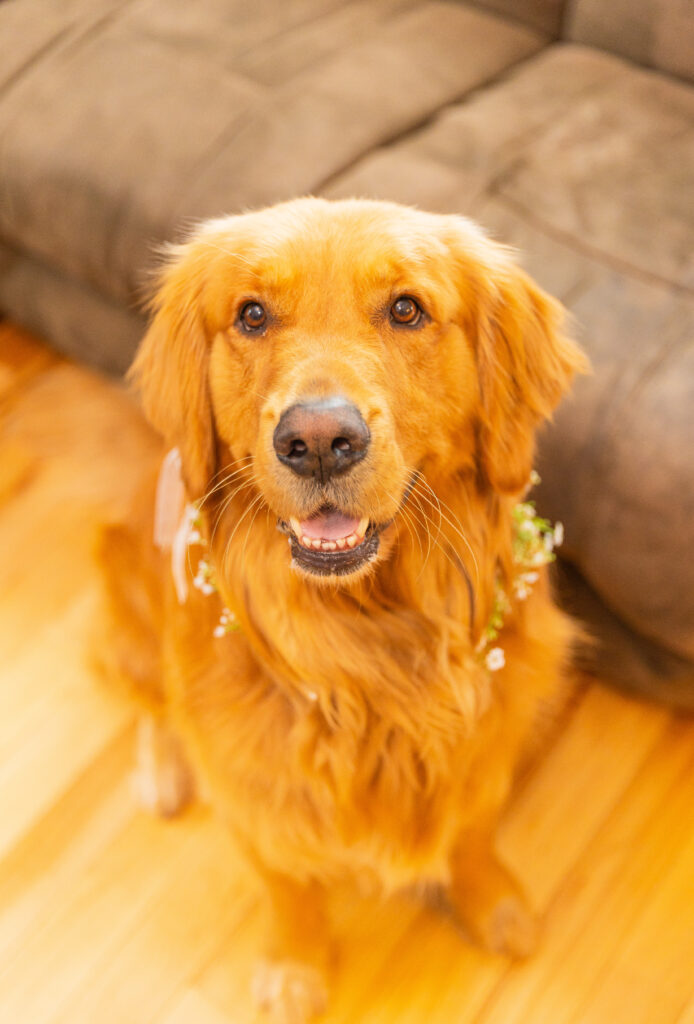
pixel 322 770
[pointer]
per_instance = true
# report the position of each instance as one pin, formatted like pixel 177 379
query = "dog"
pixel 345 626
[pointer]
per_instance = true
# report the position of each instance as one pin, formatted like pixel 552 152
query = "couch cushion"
pixel 659 33
pixel 52 305
pixel 543 15
pixel 138 115
pixel 587 164
pixel 595 150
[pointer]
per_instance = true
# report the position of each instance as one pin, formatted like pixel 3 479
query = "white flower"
pixel 203 584
pixel 495 659
pixel 204 580
pixel 522 591
pixel 528 528
pixel 530 577
pixel 558 534
pixel 194 537
pixel 228 618
pixel 219 631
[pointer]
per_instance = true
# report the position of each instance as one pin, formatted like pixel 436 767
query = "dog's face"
pixel 335 350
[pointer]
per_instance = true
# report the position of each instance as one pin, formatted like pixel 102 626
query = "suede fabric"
pixel 542 15
pixel 128 120
pixel 656 33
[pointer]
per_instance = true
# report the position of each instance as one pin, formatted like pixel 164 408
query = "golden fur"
pixel 399 770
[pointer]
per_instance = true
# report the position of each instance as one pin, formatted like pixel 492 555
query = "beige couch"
pixel 567 129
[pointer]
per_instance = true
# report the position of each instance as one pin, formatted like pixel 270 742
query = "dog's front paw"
pixel 489 904
pixel 509 928
pixel 288 991
pixel 162 781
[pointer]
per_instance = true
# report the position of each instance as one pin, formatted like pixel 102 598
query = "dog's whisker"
pixel 229 498
pixel 218 491
pixel 402 516
pixel 225 505
pixel 227 501
pixel 407 520
pixel 234 462
pixel 424 523
pixel 412 530
pixel 250 527
pixel 416 503
pixel 442 504
pixel 222 484
pixel 220 487
pixel 228 478
pixel 241 463
pixel 228 252
pixel 459 565
pixel 437 542
pixel 256 501
pixel 455 525
pixel 259 394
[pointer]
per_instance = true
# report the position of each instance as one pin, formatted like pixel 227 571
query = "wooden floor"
pixel 110 917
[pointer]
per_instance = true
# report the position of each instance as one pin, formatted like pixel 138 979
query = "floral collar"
pixel 534 541
pixel 178 527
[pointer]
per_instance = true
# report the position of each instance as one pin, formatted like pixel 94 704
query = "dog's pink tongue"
pixel 328 526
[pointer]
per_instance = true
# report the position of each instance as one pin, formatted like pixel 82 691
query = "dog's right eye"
pixel 406 312
pixel 252 317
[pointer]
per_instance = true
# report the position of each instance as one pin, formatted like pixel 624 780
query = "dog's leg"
pixel 162 779
pixel 487 900
pixel 291 984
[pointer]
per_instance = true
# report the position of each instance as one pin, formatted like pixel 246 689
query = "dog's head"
pixel 330 351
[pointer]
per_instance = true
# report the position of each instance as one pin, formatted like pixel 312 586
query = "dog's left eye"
pixel 406 311
pixel 253 316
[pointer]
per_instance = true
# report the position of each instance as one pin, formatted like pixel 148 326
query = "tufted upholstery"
pixel 657 33
pixel 121 121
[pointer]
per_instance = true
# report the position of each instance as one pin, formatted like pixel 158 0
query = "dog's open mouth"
pixel 330 543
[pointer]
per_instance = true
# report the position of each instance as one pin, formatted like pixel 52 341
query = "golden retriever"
pixel 352 638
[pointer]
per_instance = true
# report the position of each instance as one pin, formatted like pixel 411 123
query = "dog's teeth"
pixel 320 544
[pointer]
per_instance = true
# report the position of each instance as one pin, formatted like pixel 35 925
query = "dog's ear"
pixel 525 361
pixel 170 370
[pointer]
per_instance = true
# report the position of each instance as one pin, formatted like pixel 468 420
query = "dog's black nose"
pixel 322 438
